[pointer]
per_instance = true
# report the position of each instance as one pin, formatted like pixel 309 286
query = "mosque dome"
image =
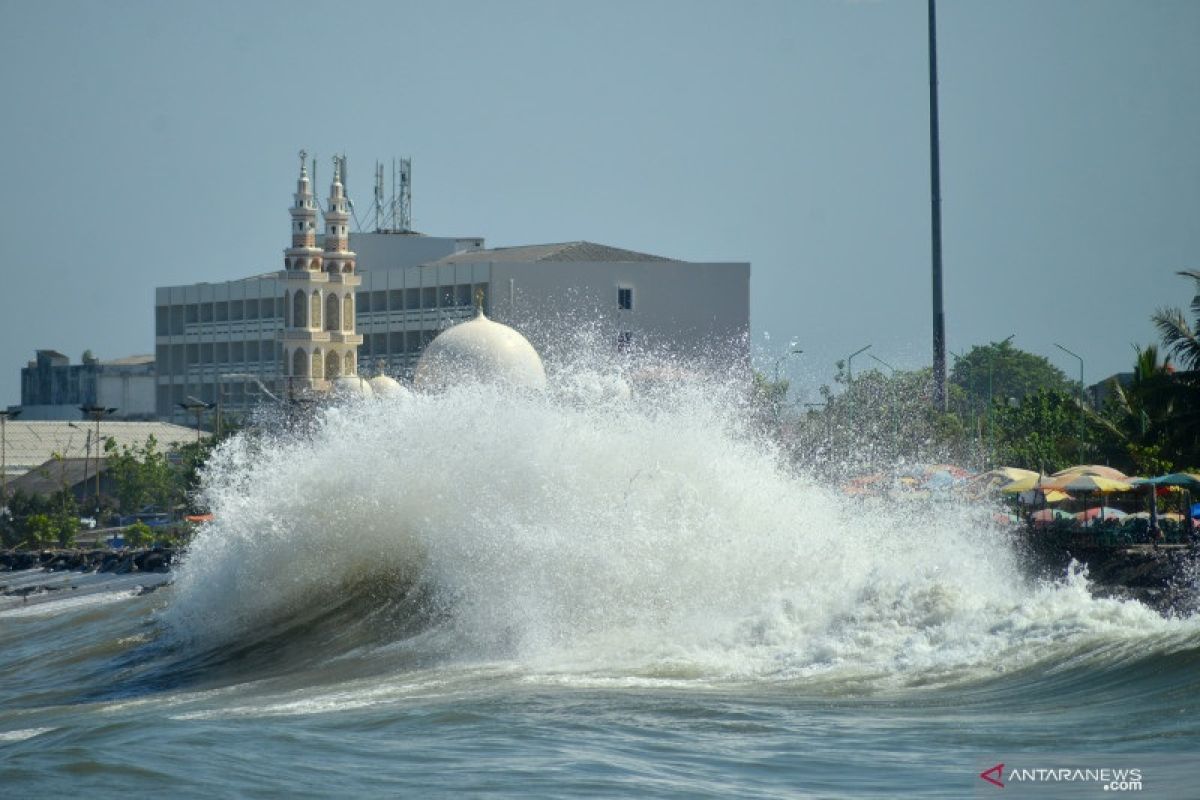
pixel 383 386
pixel 480 351
pixel 352 386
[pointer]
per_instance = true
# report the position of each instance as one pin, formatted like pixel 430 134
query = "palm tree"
pixel 1140 415
pixel 1180 338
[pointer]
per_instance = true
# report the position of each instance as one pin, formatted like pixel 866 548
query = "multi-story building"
pixel 52 388
pixel 238 341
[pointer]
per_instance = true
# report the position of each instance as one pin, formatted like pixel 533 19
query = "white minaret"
pixel 341 354
pixel 318 337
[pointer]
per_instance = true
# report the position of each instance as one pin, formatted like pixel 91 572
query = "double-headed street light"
pixel 197 407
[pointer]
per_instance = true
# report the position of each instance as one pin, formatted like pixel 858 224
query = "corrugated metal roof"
pixel 563 251
pixel 28 444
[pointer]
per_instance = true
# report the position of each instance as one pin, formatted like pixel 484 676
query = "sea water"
pixel 580 593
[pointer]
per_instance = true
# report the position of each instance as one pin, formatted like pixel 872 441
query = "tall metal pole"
pixel 939 316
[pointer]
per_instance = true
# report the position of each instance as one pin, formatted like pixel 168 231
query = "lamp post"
pixel 895 403
pixel 1080 359
pixel 783 358
pixel 991 423
pixel 850 379
pixel 197 407
pixel 97 413
pixel 5 415
pixel 850 363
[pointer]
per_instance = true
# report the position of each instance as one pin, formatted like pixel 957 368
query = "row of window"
pixel 395 343
pixel 422 298
pixel 171 320
pixel 176 358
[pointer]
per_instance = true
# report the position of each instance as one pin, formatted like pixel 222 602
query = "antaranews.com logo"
pixel 1108 779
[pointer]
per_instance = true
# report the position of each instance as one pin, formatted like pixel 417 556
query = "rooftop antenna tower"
pixel 402 196
pixel 377 207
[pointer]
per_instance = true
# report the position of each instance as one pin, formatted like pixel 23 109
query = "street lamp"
pixel 197 407
pixel 5 415
pixel 1080 359
pixel 783 358
pixel 97 413
pixel 991 372
pixel 850 363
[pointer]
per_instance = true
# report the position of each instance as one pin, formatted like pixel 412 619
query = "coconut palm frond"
pixel 1195 304
pixel 1178 336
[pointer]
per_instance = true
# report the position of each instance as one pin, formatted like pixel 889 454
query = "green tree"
pixel 40 530
pixel 999 370
pixel 876 422
pixel 138 534
pixel 1041 431
pixel 141 475
pixel 1150 423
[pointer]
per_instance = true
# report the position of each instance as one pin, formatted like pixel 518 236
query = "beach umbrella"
pixel 1100 512
pixel 1037 496
pixel 1087 484
pixel 1024 484
pixel 1181 480
pixel 999 478
pixel 1095 470
pixel 1047 515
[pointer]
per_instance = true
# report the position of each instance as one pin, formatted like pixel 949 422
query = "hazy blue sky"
pixel 152 143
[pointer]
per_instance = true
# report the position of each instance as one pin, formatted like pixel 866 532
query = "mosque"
pixel 349 305
pixel 318 337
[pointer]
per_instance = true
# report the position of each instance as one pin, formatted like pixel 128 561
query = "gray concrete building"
pixel 52 388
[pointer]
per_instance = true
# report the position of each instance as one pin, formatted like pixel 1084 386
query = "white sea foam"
pixel 589 533
pixel 22 735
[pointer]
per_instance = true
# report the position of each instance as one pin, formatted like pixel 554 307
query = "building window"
pixel 332 364
pixel 315 308
pixel 348 313
pixel 624 298
pixel 332 306
pixel 348 364
pixel 317 364
pixel 299 363
pixel 624 341
pixel 300 309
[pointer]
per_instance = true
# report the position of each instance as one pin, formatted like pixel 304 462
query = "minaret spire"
pixel 318 338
